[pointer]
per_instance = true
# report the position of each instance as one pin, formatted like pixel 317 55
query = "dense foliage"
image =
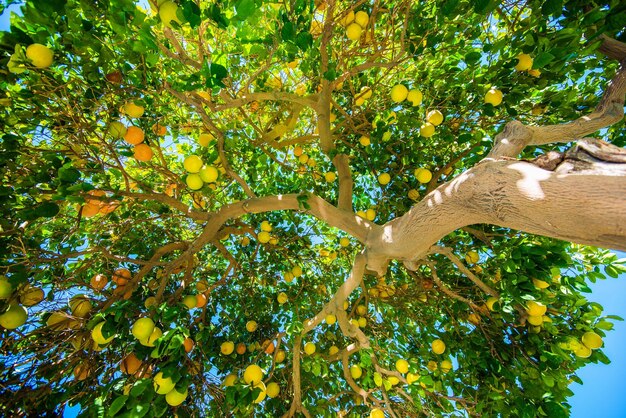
pixel 246 86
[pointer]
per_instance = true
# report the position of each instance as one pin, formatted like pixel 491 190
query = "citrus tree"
pixel 299 208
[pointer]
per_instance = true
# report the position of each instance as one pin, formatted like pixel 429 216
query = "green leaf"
pixel 117 405
pixel 552 7
pixel 245 9
pixel 542 60
pixel 304 40
pixel 68 174
pixel 448 7
pixel 47 210
pixel 191 13
pixel 472 57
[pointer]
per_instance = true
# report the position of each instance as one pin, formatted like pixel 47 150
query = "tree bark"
pixel 583 200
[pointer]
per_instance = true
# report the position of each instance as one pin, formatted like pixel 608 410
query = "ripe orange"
pixel 130 364
pixel 143 152
pixel 98 281
pixel 159 129
pixel 121 276
pixel 200 300
pixel 134 135
pixel 270 347
pixel 188 344
pixel 241 348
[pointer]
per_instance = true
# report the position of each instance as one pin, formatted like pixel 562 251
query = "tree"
pixel 307 208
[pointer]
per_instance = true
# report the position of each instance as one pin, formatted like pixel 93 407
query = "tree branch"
pixel 516 136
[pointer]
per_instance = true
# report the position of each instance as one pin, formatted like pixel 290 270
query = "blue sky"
pixel 602 394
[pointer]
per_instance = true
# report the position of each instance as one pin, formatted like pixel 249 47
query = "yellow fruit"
pixel 402 366
pixel 229 380
pixel 473 318
pixel 361 310
pixel 133 110
pixel 5 288
pixel 432 365
pixel 142 328
pixel 149 342
pixel 362 322
pixel 288 276
pixel 399 92
pixel 472 257
pixel 377 413
pixel 14 317
pixel 490 302
pixel 540 284
pixel 227 348
pixel 175 398
pixel 41 56
pixel 413 194
pixel 524 62
pixel 282 298
pixel 583 351
pixel 264 237
pixel 167 13
pixel 280 356
pixel 296 271
pixel 117 129
pixel 493 96
pixel 359 102
pixel 435 117
pixel 445 366
pixel 251 326
pixel 333 350
pixel 344 242
pixel 354 31
pixel 192 164
pixel 427 130
pixel 361 18
pixel 412 378
pixel 535 320
pixel 96 335
pixel 205 139
pixel 365 92
pixel 592 340
pixel 423 175
pixel 30 296
pixel 194 181
pixel 162 385
pixel 356 371
pixel 535 308
pixel 209 174
pixel 80 306
pixel 266 226
pixel 370 214
pixel 272 389
pixel 534 72
pixel 364 140
pixel 149 302
pixel 262 394
pixel 347 19
pixel 309 348
pixel 384 178
pixel 415 97
pixel 190 301
pixel 330 177
pixel 253 375
pixel 438 346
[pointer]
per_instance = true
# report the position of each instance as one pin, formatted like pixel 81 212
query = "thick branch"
pixel 582 201
pixel 342 164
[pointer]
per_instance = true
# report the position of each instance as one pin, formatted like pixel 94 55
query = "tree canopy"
pixel 307 208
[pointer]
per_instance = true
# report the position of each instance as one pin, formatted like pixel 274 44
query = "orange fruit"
pixel 134 135
pixel 130 364
pixel 98 281
pixel 81 372
pixel 270 347
pixel 143 152
pixel 200 300
pixel 96 193
pixel 121 276
pixel 106 209
pixel 90 210
pixel 241 348
pixel 159 129
pixel 188 344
